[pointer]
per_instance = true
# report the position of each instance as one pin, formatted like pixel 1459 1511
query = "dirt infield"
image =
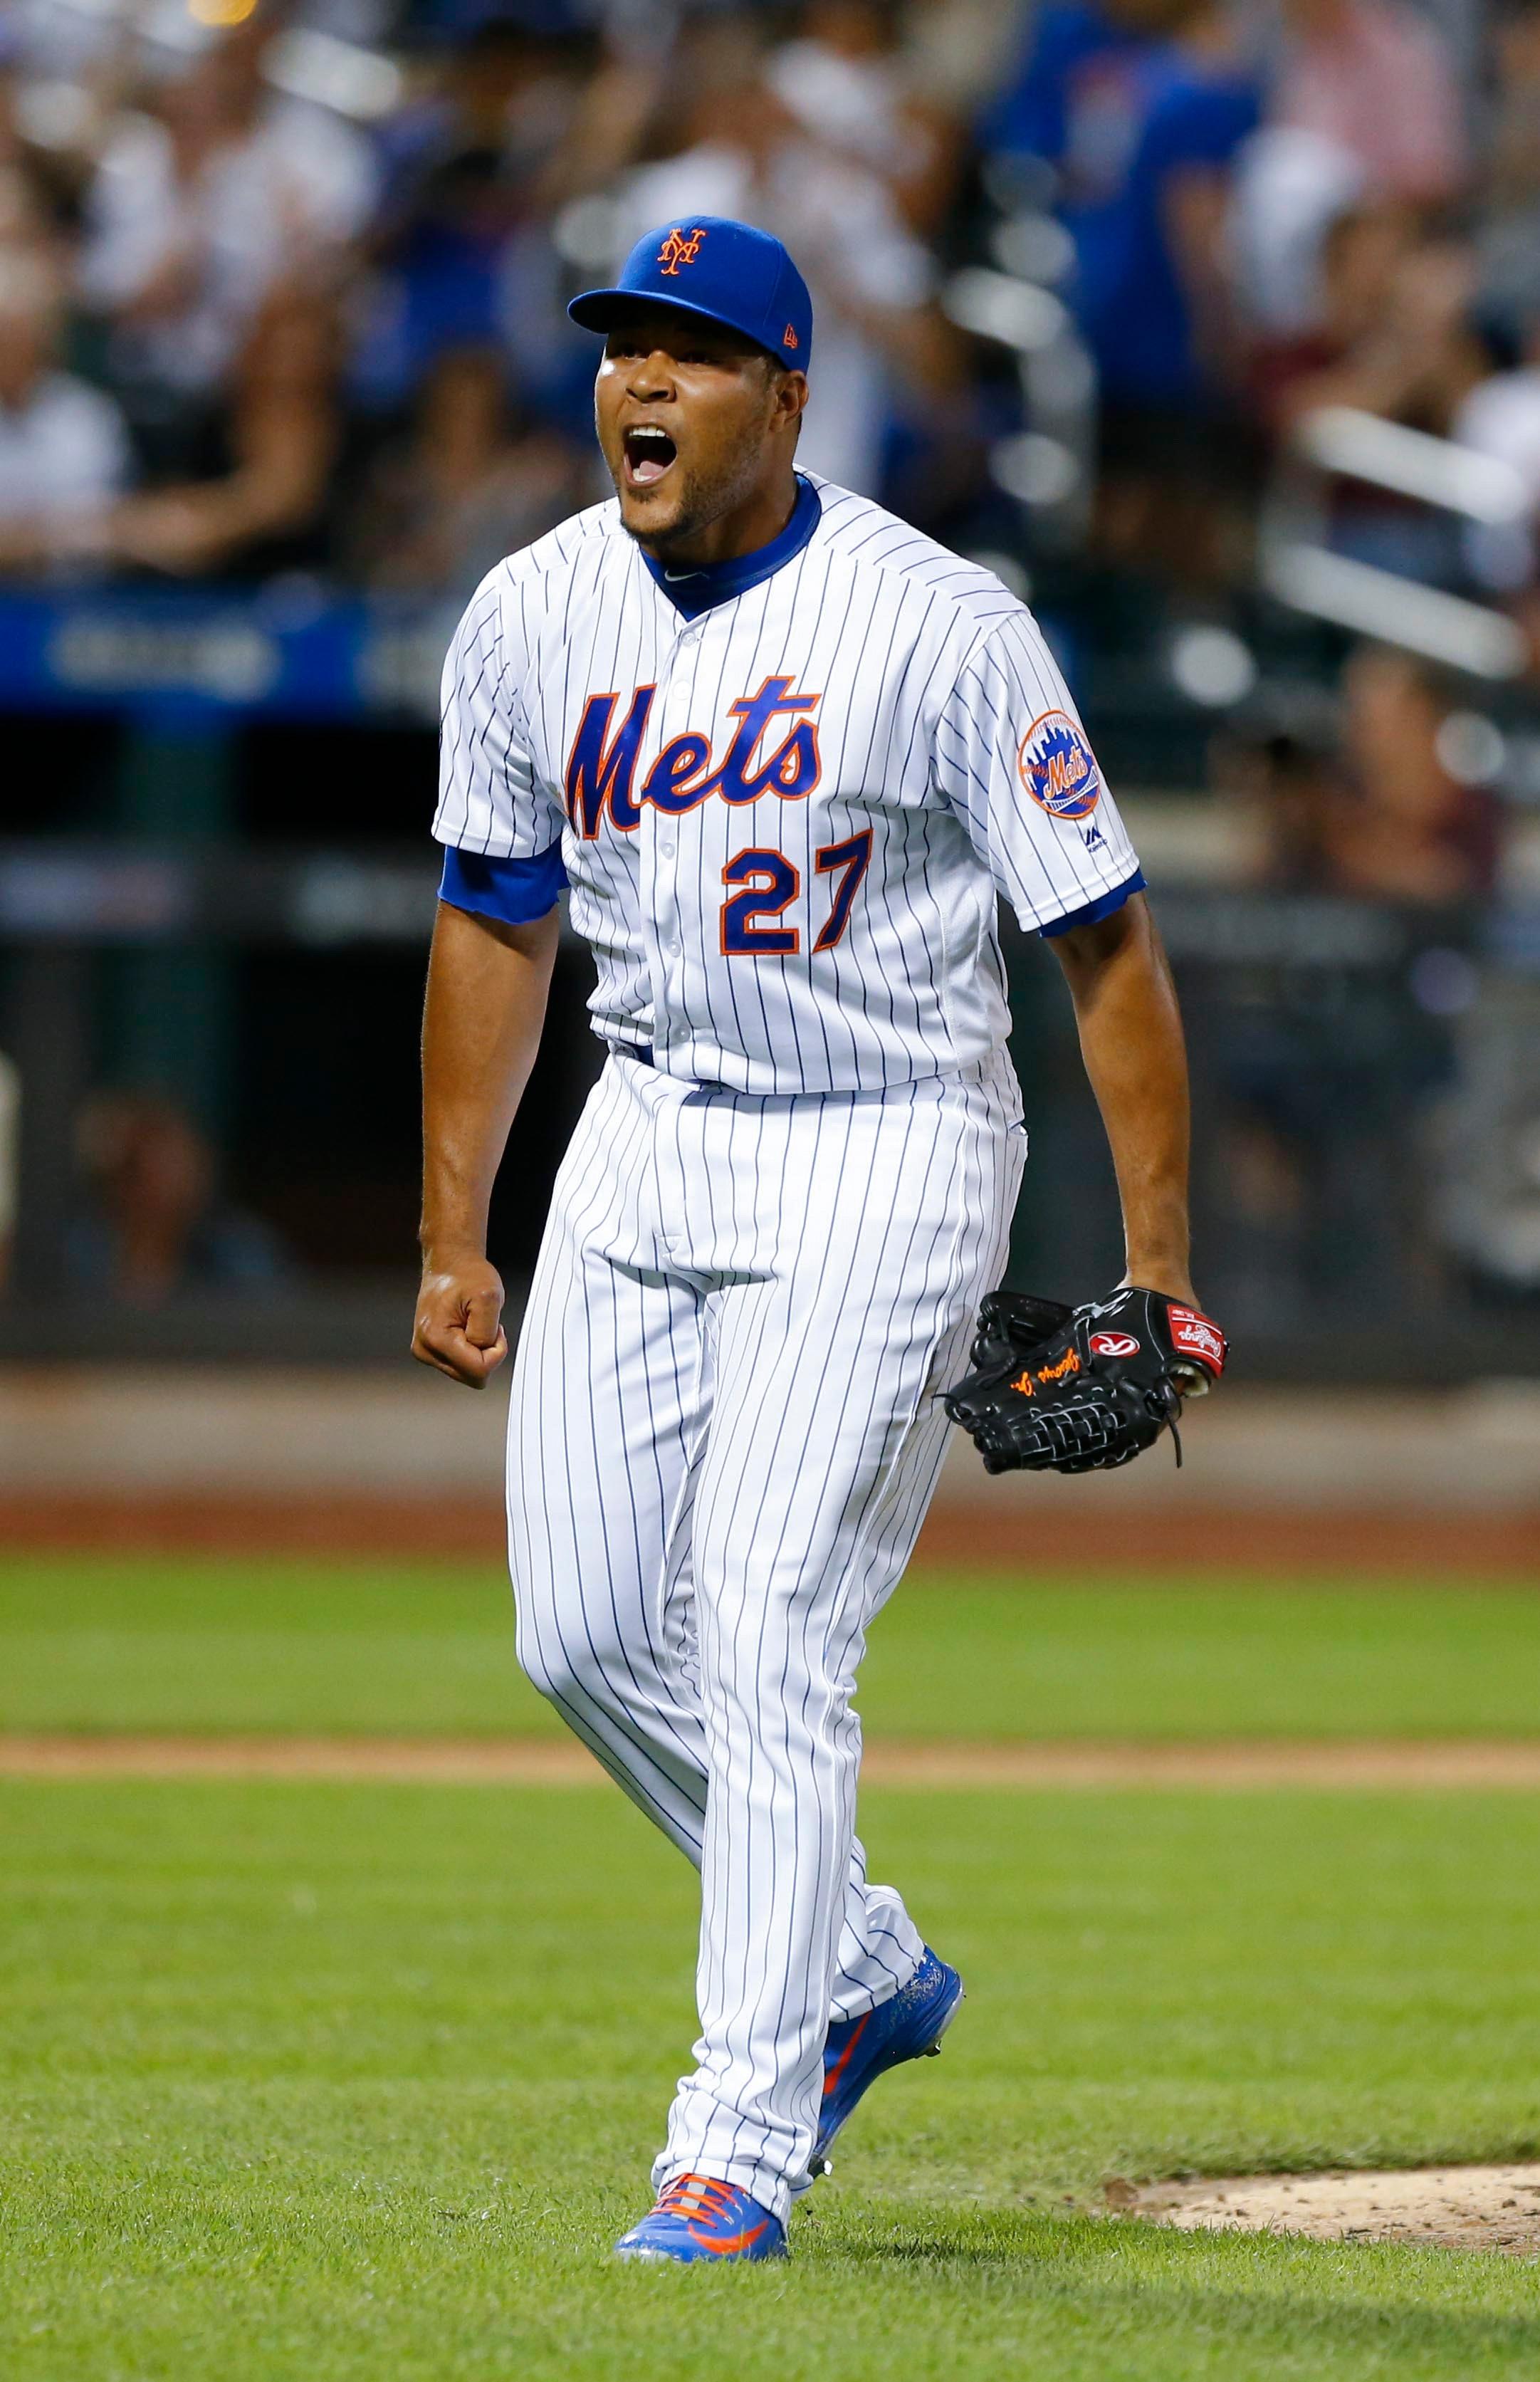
pixel 1198 1538
pixel 1361 1765
pixel 1446 2207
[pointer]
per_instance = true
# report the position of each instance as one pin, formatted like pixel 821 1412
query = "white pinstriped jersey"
pixel 783 822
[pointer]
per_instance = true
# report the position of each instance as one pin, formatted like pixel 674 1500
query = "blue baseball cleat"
pixel 859 2050
pixel 696 2218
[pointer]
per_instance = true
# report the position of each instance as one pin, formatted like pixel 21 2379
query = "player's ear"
pixel 789 397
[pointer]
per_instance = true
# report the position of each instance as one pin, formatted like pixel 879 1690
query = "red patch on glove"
pixel 1193 1335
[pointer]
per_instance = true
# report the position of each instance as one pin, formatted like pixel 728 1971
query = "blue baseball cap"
pixel 711 266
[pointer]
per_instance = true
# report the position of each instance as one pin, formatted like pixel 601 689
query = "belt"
pixel 643 1053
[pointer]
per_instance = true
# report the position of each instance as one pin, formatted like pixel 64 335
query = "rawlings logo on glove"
pixel 1083 1389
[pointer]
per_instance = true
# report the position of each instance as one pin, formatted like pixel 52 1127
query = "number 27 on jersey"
pixel 770 885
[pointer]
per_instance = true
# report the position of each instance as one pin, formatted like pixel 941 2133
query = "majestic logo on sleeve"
pixel 1058 766
pixel 602 765
pixel 680 248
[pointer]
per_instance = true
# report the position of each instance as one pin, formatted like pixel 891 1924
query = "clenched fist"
pixel 459 1327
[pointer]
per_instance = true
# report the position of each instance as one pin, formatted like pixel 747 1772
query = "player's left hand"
pixel 458 1328
pixel 1085 1389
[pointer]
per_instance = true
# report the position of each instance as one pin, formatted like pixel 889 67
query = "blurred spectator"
pixel 63 450
pixel 1329 1073
pixel 1501 418
pixel 36 189
pixel 1063 104
pixel 260 508
pixel 1418 354
pixel 878 333
pixel 1508 237
pixel 1345 326
pixel 1365 805
pixel 1512 150
pixel 1409 831
pixel 961 51
pixel 466 488
pixel 199 209
pixel 155 1226
pixel 845 82
pixel 1292 189
pixel 1375 78
pixel 1408 346
pixel 1140 105
pixel 1284 779
pixel 461 253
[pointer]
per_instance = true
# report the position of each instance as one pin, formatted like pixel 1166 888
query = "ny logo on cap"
pixel 680 248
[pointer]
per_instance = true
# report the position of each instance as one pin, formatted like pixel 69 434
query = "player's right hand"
pixel 459 1327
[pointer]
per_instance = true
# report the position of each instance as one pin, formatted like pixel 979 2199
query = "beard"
pixel 697 495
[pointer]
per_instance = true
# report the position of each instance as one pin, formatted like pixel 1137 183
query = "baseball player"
pixel 785 753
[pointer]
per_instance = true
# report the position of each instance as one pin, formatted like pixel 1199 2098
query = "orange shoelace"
pixel 703 2201
pixel 702 2197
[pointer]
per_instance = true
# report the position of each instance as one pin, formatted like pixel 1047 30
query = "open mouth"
pixel 649 452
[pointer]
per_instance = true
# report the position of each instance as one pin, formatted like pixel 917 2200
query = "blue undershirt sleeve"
pixel 513 891
pixel 1103 907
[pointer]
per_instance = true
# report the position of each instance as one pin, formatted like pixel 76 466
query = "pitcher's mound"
pixel 1446 2207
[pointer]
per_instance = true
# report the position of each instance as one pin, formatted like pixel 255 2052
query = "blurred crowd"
pixel 283 290
pixel 282 298
pixel 282 281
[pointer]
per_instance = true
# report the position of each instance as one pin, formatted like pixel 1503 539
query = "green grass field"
pixel 170 1645
pixel 334 2082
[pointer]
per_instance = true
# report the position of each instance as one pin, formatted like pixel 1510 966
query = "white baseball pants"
pixel 725 1432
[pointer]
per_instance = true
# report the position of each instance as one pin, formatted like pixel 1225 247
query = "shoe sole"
pixel 933 2049
pixel 667 2258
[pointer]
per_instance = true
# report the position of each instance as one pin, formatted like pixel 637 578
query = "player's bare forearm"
pixel 1135 1056
pixel 487 986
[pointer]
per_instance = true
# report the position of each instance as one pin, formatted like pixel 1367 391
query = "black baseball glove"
pixel 1081 1389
